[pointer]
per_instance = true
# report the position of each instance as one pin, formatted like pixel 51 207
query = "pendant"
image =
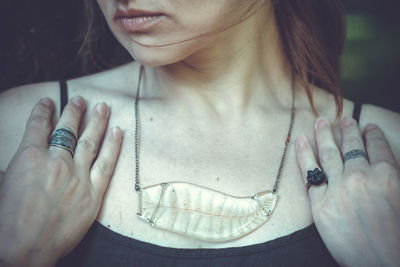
pixel 202 213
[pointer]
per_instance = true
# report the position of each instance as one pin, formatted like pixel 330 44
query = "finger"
pixel 104 165
pixel 38 126
pixel 353 145
pixel 89 141
pixel 329 154
pixel 306 160
pixel 378 148
pixel 70 118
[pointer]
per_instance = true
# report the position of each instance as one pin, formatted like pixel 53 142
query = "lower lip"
pixel 138 24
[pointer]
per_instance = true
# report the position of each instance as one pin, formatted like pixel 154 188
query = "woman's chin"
pixel 159 56
pixel 156 59
pixel 153 62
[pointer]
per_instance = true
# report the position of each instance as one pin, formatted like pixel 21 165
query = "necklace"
pixel 202 213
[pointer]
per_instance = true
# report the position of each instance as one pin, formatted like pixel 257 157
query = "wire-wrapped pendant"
pixel 202 213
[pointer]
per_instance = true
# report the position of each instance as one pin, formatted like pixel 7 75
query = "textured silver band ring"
pixel 353 154
pixel 63 138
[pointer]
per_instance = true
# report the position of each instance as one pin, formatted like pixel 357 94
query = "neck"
pixel 242 67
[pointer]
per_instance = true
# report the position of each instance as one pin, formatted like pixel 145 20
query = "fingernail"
pixel 46 101
pixel 102 108
pixel 346 122
pixel 370 126
pixel 300 141
pixel 117 133
pixel 321 122
pixel 77 100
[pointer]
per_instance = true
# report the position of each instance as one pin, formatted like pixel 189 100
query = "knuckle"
pixel 376 144
pixel 387 176
pixel 58 167
pixel 348 122
pixel 352 143
pixel 75 185
pixel 31 152
pixel 42 108
pixel 87 202
pixel 328 153
pixel 356 180
pixel 88 145
pixel 385 169
pixel 371 127
pixel 41 121
pixel 105 167
pixel 377 138
pixel 375 134
pixel 71 108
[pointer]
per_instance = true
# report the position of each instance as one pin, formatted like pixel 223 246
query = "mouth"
pixel 135 20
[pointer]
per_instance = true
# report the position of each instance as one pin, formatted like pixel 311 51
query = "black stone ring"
pixel 63 138
pixel 316 177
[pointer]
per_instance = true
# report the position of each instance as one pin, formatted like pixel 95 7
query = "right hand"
pixel 49 199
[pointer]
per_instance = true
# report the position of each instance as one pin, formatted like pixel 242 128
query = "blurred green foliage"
pixel 371 58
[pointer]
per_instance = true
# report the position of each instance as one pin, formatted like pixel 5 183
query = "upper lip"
pixel 134 13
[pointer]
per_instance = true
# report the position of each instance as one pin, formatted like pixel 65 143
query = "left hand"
pixel 358 213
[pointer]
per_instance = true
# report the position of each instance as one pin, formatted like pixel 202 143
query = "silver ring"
pixel 353 154
pixel 63 138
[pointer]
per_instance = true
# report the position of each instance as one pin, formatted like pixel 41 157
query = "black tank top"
pixel 104 247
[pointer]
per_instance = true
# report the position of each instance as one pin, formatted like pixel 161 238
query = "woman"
pixel 215 101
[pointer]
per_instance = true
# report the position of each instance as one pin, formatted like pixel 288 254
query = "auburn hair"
pixel 312 34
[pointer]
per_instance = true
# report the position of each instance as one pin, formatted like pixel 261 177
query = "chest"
pixel 237 159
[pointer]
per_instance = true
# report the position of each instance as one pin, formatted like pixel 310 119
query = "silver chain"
pixel 137 185
pixel 287 140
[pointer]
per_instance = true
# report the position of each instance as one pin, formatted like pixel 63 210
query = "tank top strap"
pixel 63 95
pixel 356 111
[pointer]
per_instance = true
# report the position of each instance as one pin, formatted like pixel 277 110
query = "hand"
pixel 49 199
pixel 357 213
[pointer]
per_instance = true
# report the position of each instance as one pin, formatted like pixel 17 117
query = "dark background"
pixel 40 40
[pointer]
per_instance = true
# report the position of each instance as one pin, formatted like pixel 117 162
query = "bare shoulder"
pixel 387 120
pixel 16 103
pixel 20 99
pixel 324 102
pixel 15 107
pixel 381 116
pixel 114 86
pixel 115 79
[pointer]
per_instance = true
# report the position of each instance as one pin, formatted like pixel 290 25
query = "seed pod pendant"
pixel 202 213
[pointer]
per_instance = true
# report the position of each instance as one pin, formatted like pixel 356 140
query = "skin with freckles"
pixel 214 110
